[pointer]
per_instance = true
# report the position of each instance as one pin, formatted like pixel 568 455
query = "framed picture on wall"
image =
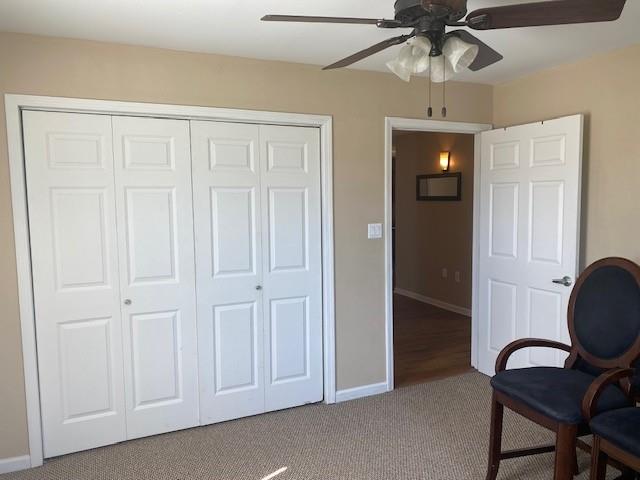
pixel 442 187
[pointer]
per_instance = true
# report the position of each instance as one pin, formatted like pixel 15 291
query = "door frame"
pixel 15 104
pixel 419 125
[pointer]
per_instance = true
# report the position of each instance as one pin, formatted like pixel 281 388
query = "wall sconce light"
pixel 445 158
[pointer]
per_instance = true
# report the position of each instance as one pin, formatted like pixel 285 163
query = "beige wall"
pixel 358 102
pixel 431 236
pixel 606 89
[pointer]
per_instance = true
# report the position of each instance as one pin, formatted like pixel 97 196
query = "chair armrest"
pixel 503 358
pixel 590 400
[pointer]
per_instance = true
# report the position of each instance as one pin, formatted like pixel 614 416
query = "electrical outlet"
pixel 445 273
pixel 457 277
pixel 374 231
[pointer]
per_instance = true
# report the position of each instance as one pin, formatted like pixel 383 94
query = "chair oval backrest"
pixel 604 313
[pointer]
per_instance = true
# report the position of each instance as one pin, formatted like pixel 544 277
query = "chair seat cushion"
pixel 556 393
pixel 619 427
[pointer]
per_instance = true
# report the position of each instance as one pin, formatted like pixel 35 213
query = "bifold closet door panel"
pixel 69 171
pixel 120 209
pixel 227 212
pixel 292 266
pixel 157 273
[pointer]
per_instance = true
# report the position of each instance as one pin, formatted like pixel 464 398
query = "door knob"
pixel 566 281
pixel 258 287
pixel 127 302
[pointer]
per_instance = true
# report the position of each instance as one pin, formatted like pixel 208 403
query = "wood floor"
pixel 428 342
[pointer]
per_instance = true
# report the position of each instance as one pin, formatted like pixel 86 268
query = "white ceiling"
pixel 233 27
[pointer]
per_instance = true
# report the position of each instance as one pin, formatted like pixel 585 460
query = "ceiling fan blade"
pixel 486 55
pixel 305 19
pixel 557 12
pixel 367 52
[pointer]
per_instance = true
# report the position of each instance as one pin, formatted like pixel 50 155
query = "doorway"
pixel 526 211
pixel 432 254
pixel 430 250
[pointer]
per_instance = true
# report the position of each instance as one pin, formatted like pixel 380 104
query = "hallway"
pixel 429 342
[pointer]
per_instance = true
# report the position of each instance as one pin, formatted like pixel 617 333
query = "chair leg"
pixel 565 452
pixel 576 467
pixel 495 438
pixel 598 461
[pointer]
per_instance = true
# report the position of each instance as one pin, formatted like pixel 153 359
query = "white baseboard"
pixel 14 464
pixel 432 301
pixel 361 392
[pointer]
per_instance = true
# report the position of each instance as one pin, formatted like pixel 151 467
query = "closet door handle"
pixel 258 287
pixel 127 302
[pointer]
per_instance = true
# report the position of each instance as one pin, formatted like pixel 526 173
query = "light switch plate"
pixel 375 231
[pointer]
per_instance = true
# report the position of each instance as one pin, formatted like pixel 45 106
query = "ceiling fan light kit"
pixel 417 56
pixel 455 51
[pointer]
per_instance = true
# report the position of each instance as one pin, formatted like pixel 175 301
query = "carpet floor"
pixel 434 431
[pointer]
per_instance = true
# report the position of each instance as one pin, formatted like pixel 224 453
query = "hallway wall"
pixel 431 236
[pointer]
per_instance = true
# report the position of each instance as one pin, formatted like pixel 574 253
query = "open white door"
pixel 529 237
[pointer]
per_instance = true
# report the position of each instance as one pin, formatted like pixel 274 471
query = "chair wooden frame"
pixel 604 452
pixel 566 434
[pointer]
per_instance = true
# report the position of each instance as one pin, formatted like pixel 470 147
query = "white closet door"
pixel 291 235
pixel 69 167
pixel 226 191
pixel 157 273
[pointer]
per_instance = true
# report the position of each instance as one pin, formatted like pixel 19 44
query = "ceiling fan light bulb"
pixel 420 44
pixel 459 53
pixel 413 58
pixel 399 69
pixel 421 49
pixel 405 57
pixel 421 64
pixel 441 69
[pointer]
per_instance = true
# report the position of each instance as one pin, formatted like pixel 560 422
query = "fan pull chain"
pixel 430 109
pixel 444 87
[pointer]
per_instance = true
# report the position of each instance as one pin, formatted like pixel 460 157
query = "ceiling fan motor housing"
pixel 411 11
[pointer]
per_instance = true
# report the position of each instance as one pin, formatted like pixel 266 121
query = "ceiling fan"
pixel 459 49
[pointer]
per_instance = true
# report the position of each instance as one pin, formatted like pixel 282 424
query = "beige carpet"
pixel 432 431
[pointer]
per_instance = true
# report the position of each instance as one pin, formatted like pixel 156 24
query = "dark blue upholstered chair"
pixel 616 433
pixel 604 325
